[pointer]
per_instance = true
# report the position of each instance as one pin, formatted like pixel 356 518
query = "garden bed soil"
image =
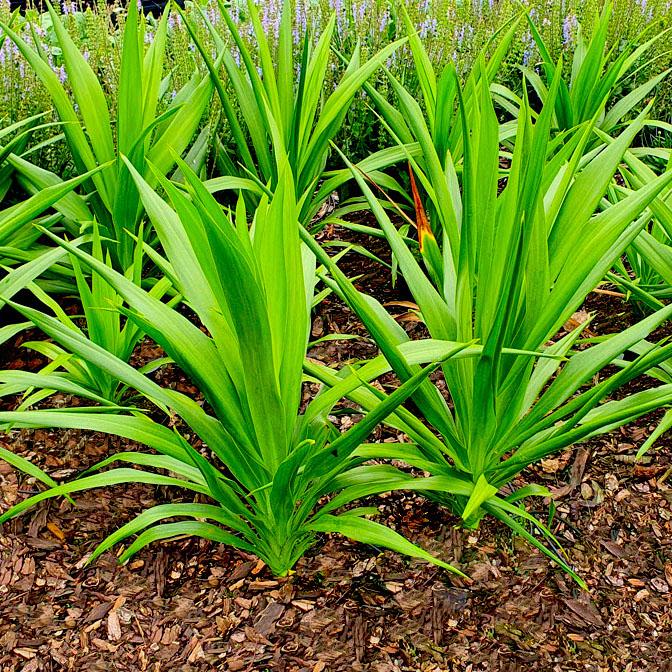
pixel 194 605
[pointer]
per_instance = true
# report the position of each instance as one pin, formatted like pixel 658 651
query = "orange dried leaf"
pixel 421 221
pixel 56 531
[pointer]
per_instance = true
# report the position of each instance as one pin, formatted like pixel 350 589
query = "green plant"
pixel 112 209
pixel 21 132
pixel 142 132
pixel 101 308
pixel 663 373
pixel 645 272
pixel 597 74
pixel 283 108
pixel 435 117
pixel 428 131
pixel 266 465
pixel 19 235
pixel 513 264
pixel 451 32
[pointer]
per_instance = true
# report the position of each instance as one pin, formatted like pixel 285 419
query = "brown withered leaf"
pixel 578 469
pixel 586 611
pixel 576 320
pixel 56 531
pixel 613 548
pixel 642 471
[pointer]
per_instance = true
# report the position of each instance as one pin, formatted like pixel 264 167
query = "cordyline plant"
pixel 280 107
pixel 428 131
pixel 267 466
pixel 49 269
pixel 511 266
pixel 105 327
pixel 18 233
pixel 663 373
pixel 648 275
pixel 20 229
pixel 14 139
pixel 17 221
pixel 142 132
pixel 597 75
pixel 644 272
pixel 436 117
pixel 45 269
pixel 112 207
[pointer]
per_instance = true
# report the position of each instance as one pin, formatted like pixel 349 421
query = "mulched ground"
pixel 194 605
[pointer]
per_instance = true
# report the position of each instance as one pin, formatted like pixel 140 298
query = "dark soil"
pixel 195 605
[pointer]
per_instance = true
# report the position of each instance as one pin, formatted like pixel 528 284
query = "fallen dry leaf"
pixel 56 531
